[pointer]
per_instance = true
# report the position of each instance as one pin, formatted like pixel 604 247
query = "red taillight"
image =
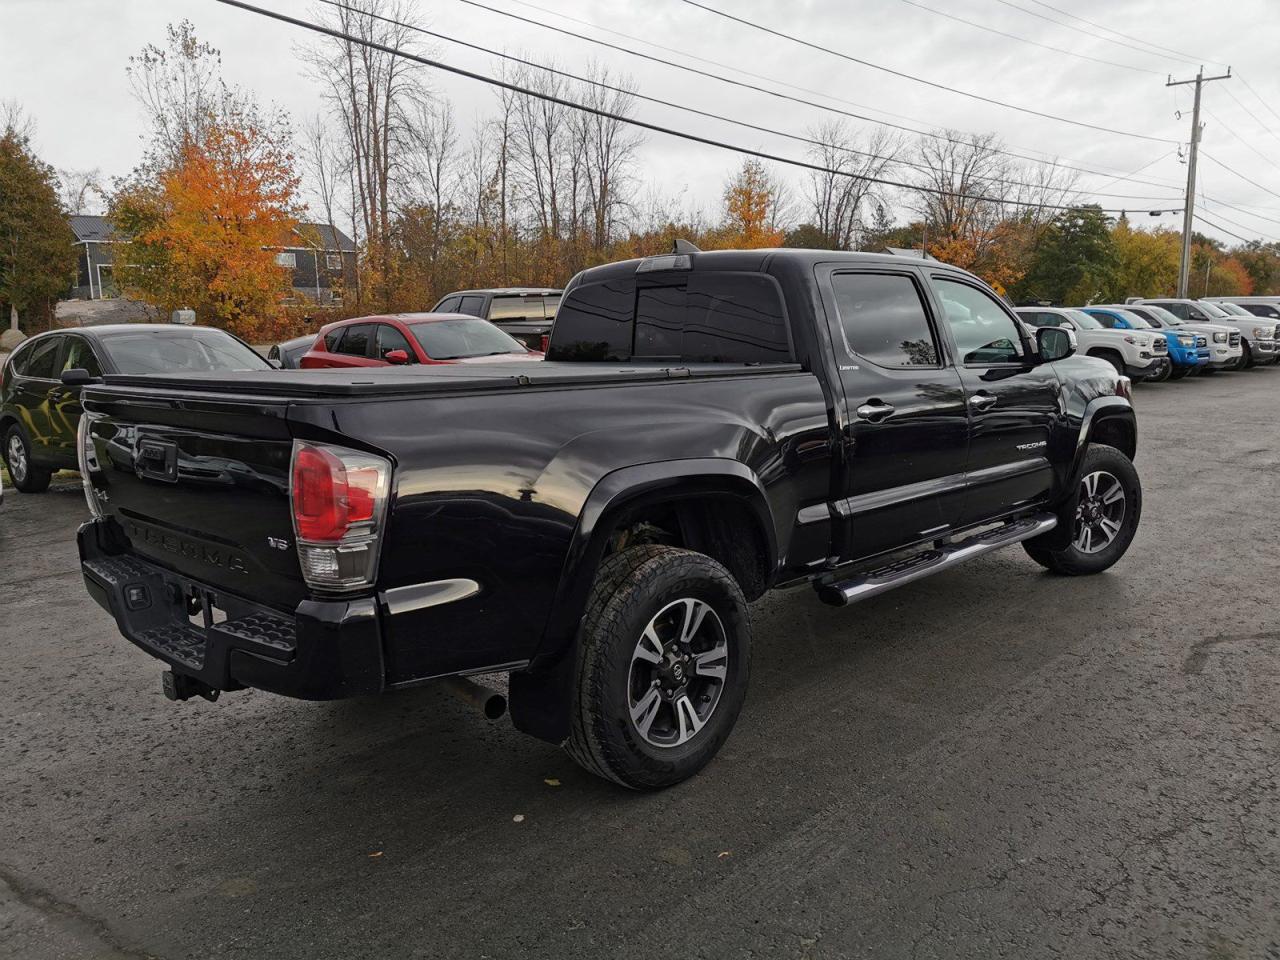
pixel 339 503
pixel 544 342
pixel 327 497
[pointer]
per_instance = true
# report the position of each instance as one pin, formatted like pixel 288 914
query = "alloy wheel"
pixel 17 458
pixel 678 671
pixel 1100 512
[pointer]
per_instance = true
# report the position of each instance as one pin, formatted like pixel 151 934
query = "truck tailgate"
pixel 200 486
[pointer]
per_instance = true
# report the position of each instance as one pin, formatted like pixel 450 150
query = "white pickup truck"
pixel 1258 334
pixel 1135 354
pixel 1226 348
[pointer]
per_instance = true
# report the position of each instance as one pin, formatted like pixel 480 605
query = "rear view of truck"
pixel 204 503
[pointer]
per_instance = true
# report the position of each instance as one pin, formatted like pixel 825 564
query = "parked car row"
pixel 1162 339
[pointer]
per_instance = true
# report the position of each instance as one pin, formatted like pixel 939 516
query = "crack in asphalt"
pixel 1199 654
pixel 89 931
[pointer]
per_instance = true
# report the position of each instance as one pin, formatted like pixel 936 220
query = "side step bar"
pixel 841 593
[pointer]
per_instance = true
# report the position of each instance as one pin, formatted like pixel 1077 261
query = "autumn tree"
pixel 1146 262
pixel 37 261
pixel 752 201
pixel 201 231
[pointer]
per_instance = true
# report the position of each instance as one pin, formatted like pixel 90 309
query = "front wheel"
pixel 1179 372
pixel 1103 513
pixel 1166 368
pixel 662 667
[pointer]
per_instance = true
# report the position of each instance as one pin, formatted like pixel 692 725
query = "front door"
pixel 1014 401
pixel 64 401
pixel 906 426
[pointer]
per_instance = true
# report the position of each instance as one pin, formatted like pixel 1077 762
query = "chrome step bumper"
pixel 841 593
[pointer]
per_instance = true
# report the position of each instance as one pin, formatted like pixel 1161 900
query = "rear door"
pixel 1013 400
pixel 906 438
pixel 31 392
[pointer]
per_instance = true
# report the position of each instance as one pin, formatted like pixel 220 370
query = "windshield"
pixel 463 337
pixel 1166 318
pixel 1211 309
pixel 1084 321
pixel 1134 320
pixel 165 350
pixel 1233 309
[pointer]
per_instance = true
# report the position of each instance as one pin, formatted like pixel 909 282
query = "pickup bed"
pixel 708 426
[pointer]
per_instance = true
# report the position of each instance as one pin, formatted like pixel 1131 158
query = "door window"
pixel 356 341
pixel 473 306
pixel 448 305
pixel 984 333
pixel 389 338
pixel 883 319
pixel 42 362
pixel 79 355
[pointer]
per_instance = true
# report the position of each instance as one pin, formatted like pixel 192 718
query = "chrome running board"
pixel 841 593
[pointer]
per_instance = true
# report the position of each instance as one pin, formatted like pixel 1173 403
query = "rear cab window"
pixel 699 317
pixel 518 308
pixel 884 320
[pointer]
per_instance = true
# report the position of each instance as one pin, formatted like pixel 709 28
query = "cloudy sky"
pixel 64 62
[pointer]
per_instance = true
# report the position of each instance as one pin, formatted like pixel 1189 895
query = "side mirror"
pixel 276 363
pixel 396 356
pixel 77 377
pixel 1055 343
pixel 1067 325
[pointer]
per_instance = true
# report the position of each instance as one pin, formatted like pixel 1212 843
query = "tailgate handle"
pixel 157 459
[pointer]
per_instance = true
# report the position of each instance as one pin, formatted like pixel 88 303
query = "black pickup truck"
pixel 707 426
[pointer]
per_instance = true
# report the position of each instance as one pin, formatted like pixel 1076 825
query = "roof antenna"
pixel 683 246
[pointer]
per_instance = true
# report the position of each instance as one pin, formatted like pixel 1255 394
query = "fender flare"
pixel 541 697
pixel 1096 411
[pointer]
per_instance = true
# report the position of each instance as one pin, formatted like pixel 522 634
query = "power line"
pixel 1059 23
pixel 775 93
pixel 1044 158
pixel 1209 223
pixel 1184 57
pixel 1261 126
pixel 1243 226
pixel 1240 175
pixel 341 5
pixel 1250 146
pixel 1261 100
pixel 611 115
pixel 928 83
pixel 1034 43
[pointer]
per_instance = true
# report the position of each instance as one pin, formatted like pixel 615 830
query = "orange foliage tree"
pixel 751 199
pixel 201 229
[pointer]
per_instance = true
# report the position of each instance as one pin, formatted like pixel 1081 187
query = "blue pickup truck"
pixel 1188 352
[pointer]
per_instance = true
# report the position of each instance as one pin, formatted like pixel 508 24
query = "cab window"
pixel 984 333
pixel 883 319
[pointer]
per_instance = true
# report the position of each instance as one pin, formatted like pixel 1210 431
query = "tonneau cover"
pixel 427 379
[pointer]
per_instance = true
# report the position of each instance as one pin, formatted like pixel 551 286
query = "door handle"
pixel 874 410
pixel 982 401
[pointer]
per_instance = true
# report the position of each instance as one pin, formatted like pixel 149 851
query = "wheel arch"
pixel 703 494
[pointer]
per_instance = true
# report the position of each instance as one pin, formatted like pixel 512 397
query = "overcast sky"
pixel 64 62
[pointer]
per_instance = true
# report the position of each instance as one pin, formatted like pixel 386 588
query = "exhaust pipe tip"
pixel 490 702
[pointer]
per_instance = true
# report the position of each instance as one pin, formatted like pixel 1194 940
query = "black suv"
pixel 526 313
pixel 39 414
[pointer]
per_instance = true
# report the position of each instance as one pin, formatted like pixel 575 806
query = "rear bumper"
pixel 324 650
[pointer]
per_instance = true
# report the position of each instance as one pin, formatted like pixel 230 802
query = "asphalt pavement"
pixel 994 762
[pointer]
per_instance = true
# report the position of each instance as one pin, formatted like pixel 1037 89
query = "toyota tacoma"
pixel 707 427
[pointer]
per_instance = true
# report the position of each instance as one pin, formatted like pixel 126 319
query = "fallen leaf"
pixel 551 782
pixel 518 818
pixel 376 853
pixel 724 853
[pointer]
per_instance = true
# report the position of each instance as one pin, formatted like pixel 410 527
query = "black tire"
pixel 1246 356
pixel 632 589
pixel 1075 560
pixel 1166 368
pixel 26 476
pixel 1178 372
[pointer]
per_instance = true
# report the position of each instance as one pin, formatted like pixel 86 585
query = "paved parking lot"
pixel 991 763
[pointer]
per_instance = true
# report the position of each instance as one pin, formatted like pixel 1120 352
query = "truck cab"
pixel 1135 354
pixel 1188 352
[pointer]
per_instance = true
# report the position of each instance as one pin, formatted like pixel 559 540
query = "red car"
pixel 406 338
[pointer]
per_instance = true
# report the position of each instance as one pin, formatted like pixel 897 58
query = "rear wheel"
pixel 1103 513
pixel 26 476
pixel 662 668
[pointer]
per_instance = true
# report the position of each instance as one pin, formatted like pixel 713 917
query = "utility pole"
pixel 1188 210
